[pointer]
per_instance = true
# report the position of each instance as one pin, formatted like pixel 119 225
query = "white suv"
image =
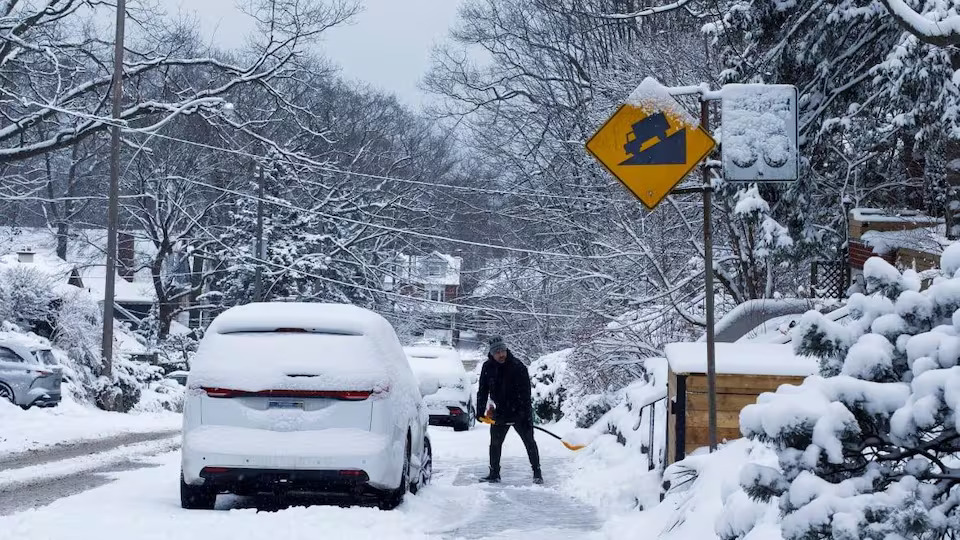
pixel 447 388
pixel 302 397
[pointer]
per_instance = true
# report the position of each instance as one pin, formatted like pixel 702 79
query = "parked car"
pixel 179 376
pixel 446 386
pixel 29 376
pixel 314 398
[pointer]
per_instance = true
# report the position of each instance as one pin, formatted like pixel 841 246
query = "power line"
pixel 316 166
pixel 398 230
pixel 283 268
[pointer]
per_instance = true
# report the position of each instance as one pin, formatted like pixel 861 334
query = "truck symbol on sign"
pixel 666 150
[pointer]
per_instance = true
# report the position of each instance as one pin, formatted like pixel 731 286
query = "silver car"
pixel 29 377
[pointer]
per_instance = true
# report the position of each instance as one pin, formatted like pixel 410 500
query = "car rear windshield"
pixel 331 360
pixel 46 356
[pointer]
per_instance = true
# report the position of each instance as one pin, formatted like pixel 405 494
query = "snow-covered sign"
pixel 759 132
pixel 650 143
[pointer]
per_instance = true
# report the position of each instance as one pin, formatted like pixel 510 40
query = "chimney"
pixel 125 255
pixel 25 256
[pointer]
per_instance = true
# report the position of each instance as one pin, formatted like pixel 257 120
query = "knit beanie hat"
pixel 497 345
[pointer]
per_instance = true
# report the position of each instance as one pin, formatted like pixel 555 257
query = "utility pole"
pixel 258 276
pixel 708 272
pixel 112 207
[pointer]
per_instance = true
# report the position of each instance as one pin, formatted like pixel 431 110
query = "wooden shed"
pixel 744 371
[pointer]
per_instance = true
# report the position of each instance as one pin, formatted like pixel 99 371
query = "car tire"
pixel 467 422
pixel 426 468
pixel 7 393
pixel 395 498
pixel 196 497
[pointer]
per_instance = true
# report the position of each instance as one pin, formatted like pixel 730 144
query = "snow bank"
pixel 741 359
pixel 70 422
pixel 694 504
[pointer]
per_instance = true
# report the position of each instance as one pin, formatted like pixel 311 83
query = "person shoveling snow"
pixel 505 380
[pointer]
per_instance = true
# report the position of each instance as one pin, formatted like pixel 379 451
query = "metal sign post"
pixel 650 144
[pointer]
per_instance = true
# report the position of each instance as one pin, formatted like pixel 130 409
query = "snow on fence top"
pixel 652 96
pixel 741 359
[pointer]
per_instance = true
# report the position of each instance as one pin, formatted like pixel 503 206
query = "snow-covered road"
pixel 144 504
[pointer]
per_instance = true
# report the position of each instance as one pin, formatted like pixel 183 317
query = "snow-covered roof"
pixel 924 239
pixel 85 253
pixel 52 267
pixel 877 215
pixel 741 359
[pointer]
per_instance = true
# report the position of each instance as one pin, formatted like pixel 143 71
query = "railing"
pixel 650 403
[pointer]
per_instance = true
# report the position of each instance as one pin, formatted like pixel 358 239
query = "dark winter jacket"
pixel 508 385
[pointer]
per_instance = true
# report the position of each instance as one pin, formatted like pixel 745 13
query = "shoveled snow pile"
pixel 614 469
pixel 703 499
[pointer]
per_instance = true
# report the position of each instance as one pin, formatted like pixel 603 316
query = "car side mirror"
pixel 429 386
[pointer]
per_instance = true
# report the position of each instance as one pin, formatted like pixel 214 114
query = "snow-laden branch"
pixel 940 32
pixel 642 13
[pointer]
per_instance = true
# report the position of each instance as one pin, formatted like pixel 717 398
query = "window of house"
pixel 435 295
pixel 436 268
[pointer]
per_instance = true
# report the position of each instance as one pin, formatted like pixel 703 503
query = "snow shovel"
pixel 574 447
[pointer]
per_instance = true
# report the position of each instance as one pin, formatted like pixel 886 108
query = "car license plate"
pixel 285 405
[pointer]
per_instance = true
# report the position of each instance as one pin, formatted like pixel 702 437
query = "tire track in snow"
pixel 45 482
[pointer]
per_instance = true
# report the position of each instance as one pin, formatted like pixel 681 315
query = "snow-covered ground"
pixel 144 504
pixel 35 429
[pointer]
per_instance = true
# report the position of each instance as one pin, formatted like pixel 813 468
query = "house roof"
pixel 86 252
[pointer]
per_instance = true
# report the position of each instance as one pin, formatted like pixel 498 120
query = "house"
pixel 907 239
pixel 432 283
pixel 85 264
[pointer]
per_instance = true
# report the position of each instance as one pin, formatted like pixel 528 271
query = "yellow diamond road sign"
pixel 650 145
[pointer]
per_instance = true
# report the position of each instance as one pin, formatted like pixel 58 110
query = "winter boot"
pixel 537 476
pixel 492 478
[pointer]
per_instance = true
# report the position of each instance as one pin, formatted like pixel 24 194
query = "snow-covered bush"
pixel 592 409
pixel 26 297
pixel 548 375
pixel 868 449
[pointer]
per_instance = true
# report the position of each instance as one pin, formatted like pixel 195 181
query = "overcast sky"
pixel 388 45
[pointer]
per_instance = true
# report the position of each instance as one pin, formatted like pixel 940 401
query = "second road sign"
pixel 650 144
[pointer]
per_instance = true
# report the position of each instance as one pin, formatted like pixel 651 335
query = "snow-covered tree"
pixel 868 448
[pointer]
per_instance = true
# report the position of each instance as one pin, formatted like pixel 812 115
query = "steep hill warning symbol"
pixel 650 149
pixel 649 144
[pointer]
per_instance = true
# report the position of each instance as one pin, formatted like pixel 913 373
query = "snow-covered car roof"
pixel 434 360
pixel 265 346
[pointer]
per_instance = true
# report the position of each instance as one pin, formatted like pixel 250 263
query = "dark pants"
pixel 498 432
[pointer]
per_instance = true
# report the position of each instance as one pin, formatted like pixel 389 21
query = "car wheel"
pixel 395 497
pixel 426 468
pixel 6 393
pixel 196 497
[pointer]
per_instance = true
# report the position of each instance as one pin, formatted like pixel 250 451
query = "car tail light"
pixel 353 473
pixel 343 395
pixel 214 470
pixel 455 411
